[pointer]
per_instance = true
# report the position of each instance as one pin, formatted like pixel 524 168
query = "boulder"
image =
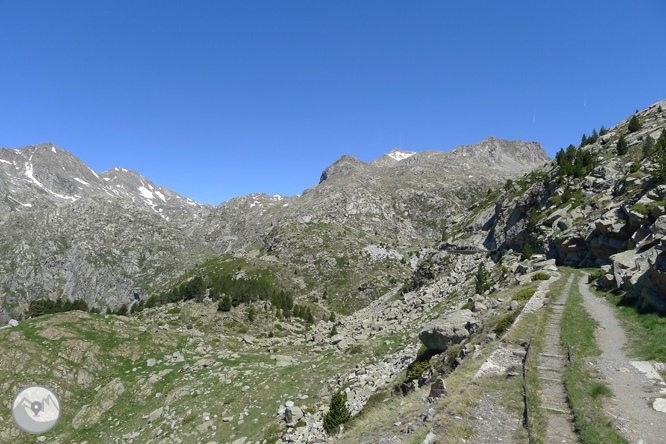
pixel 155 414
pixel 177 357
pixel 292 414
pixel 452 328
pixel 552 217
pixel 282 360
pixel 479 307
pixel 336 339
pixel 628 266
pixel 653 295
pixel 438 389
pixel 13 323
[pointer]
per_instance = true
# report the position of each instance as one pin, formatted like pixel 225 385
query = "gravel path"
pixel 634 392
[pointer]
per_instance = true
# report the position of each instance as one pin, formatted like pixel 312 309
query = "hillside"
pixel 439 291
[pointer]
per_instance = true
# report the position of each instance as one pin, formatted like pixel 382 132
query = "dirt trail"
pixel 634 390
pixel 552 361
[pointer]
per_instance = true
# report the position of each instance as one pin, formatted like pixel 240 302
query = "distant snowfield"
pixel 398 155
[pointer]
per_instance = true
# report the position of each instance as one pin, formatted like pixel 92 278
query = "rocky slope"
pixel 613 217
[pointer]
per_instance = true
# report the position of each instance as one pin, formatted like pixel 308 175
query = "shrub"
pixel 592 277
pixel 189 418
pixel 416 369
pixel 635 166
pixel 524 294
pixel 174 310
pixel 338 412
pixel 540 276
pixel 505 323
pixel 640 208
pixel 452 355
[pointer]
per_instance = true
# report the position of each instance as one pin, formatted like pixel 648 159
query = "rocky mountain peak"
pixel 343 166
pixel 394 156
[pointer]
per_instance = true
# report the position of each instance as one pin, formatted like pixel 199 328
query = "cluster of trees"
pixel 43 307
pixel 586 140
pixel 575 162
pixel 231 292
pixel 194 289
pixel 304 313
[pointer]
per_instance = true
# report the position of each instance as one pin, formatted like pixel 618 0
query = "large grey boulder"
pixel 336 339
pixel 628 266
pixel 13 323
pixel 452 328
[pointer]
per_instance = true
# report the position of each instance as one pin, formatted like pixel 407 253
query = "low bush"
pixel 540 276
pixel 505 323
pixel 416 369
pixel 592 277
pixel 524 294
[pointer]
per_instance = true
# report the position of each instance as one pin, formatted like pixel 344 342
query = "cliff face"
pixel 611 216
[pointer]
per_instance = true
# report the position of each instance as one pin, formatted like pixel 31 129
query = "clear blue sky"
pixel 216 99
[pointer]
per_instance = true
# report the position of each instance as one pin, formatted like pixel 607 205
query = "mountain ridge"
pixel 403 202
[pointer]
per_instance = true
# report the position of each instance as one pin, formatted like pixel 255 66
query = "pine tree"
pixel 622 147
pixel 338 413
pixel 332 317
pixel 527 252
pixel 308 316
pixel 634 124
pixel 251 314
pixel 481 284
pixel 224 304
pixel 648 146
pixel 583 140
pixel 566 196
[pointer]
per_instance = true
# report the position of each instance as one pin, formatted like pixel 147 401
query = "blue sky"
pixel 215 99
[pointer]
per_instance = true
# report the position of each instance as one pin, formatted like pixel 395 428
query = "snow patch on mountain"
pixel 398 154
pixel 145 192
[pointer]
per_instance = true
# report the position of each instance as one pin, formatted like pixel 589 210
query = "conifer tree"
pixel 338 413
pixel 481 284
pixel 527 252
pixel 224 304
pixel 622 146
pixel 634 124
